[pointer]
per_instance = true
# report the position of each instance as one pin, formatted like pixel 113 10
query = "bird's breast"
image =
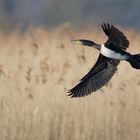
pixel 111 53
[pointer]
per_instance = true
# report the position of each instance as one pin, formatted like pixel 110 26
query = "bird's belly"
pixel 112 54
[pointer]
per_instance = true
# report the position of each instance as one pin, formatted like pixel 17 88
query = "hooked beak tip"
pixel 76 41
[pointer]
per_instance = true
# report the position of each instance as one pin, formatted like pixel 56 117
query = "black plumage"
pixel 115 35
pixel 96 78
pixel 105 67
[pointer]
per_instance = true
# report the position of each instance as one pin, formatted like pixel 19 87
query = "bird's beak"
pixel 77 42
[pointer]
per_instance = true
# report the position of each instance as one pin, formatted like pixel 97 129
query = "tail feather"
pixel 134 61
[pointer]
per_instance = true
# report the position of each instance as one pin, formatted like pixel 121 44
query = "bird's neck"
pixel 97 46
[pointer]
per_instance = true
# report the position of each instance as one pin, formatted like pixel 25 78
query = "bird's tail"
pixel 134 61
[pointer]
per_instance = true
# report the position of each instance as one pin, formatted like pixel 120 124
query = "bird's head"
pixel 86 43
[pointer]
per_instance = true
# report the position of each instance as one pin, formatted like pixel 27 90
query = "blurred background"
pixel 39 63
pixel 50 13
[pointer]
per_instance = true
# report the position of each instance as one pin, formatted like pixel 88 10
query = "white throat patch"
pixel 111 54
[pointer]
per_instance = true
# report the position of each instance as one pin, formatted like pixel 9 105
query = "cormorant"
pixel 111 52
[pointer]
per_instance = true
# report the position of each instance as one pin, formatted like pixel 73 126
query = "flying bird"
pixel 111 53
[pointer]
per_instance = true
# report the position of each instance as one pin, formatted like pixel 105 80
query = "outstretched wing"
pixel 96 78
pixel 115 35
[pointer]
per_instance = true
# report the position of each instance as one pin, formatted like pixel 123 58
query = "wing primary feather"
pixel 97 77
pixel 115 35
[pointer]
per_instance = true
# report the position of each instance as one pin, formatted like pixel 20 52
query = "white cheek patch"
pixel 111 54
